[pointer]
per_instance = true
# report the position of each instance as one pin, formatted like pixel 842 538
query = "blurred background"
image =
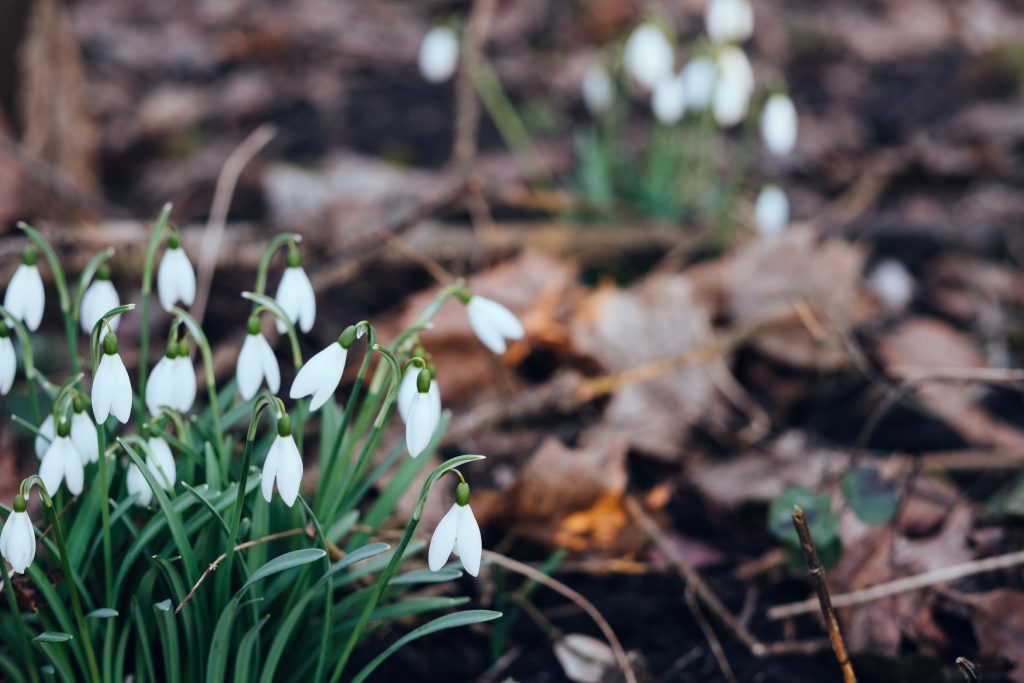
pixel 797 280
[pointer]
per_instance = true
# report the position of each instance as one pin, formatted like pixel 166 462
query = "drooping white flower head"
pixel 779 124
pixel 493 323
pixel 45 436
pixel 423 413
pixel 668 100
pixel 160 388
pixel 729 20
pixel 321 374
pixel 733 86
pixel 136 483
pixel 597 88
pixel 699 77
pixel 62 462
pixel 457 532
pixel 648 56
pixel 176 279
pixel 99 298
pixel 256 362
pixel 25 296
pixel 111 387
pixel 407 390
pixel 83 432
pixel 295 295
pixel 160 462
pixel 771 211
pixel 18 538
pixel 184 374
pixel 893 284
pixel 8 359
pixel 283 465
pixel 439 54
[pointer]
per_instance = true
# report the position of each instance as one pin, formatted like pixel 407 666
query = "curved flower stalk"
pixel 491 322
pixel 8 359
pixel 25 297
pixel 176 278
pixel 439 54
pixel 62 463
pixel 295 295
pixel 256 363
pixel 111 386
pixel 459 533
pixel 18 538
pixel 321 374
pixel 100 297
pixel 648 56
pixel 779 124
pixel 283 465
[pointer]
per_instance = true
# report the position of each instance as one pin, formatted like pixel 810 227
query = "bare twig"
pixel 240 546
pixel 467 104
pixel 904 585
pixel 584 604
pixel 817 572
pixel 968 669
pixel 226 181
pixel 709 634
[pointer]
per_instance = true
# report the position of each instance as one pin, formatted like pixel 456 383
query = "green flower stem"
pixel 268 254
pixel 72 579
pixel 396 559
pixel 20 628
pixel 211 383
pixel 266 303
pixel 108 562
pixel 27 359
pixel 427 314
pixel 147 293
pixel 60 282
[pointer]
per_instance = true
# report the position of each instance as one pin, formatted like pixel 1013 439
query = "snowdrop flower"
pixel 729 20
pixel 321 374
pixel 699 77
pixel 668 101
pixel 160 388
pixel 83 432
pixel 8 359
pixel 407 390
pixel 492 323
pixel 439 54
pixel 457 532
pixel 62 462
pixel 45 436
pixel 598 90
pixel 111 388
pixel 98 299
pixel 648 56
pixel 136 483
pixel 256 362
pixel 893 284
pixel 25 296
pixel 771 212
pixel 295 295
pixel 778 124
pixel 160 462
pixel 18 538
pixel 283 465
pixel 733 87
pixel 184 375
pixel 176 279
pixel 423 413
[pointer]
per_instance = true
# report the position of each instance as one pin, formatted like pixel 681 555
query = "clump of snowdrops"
pixel 168 538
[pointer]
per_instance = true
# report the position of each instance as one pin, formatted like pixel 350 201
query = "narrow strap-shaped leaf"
pixel 246 655
pixel 164 612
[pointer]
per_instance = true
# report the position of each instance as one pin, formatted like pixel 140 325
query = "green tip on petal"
pixel 110 344
pixel 462 494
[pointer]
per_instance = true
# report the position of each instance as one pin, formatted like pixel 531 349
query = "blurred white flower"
pixel 18 539
pixel 771 211
pixel 256 362
pixel 25 297
pixel 99 298
pixel 893 284
pixel 457 531
pixel 111 387
pixel 779 124
pixel 176 279
pixel 733 86
pixel 320 375
pixel 439 54
pixel 295 296
pixel 160 462
pixel 493 323
pixel 699 77
pixel 598 90
pixel 422 416
pixel 668 100
pixel 62 462
pixel 729 20
pixel 649 57
pixel 282 465
pixel 8 359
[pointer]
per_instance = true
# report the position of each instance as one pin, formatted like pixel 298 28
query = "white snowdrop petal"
pixel 8 364
pixel 270 468
pixel 14 296
pixel 779 124
pixel 439 54
pixel 289 471
pixel 597 88
pixel 74 470
pixel 167 281
pixel 163 466
pixel 176 279
pixel 502 319
pixel 320 375
pixel 51 470
pixel 184 384
pixel 468 543
pixel 307 301
pixel 249 370
pixel 771 211
pixel 434 393
pixel 668 100
pixel 45 436
pixel 699 79
pixel 729 20
pixel 102 391
pixel 407 391
pixel 187 278
pixel 99 298
pixel 121 388
pixel 159 388
pixel 136 482
pixel 18 541
pixel 25 297
pixel 268 364
pixel 83 436
pixel 443 541
pixel 648 55
pixel 296 298
pixel 421 425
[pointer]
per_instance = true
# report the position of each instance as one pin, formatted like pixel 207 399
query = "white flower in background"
pixel 598 90
pixel 160 462
pixel 649 57
pixel 779 124
pixel 18 538
pixel 99 298
pixel 176 279
pixel 457 531
pixel 423 414
pixel 321 374
pixel 256 362
pixel 62 462
pixel 160 388
pixel 111 387
pixel 136 483
pixel 8 359
pixel 493 323
pixel 771 211
pixel 295 295
pixel 733 86
pixel 407 390
pixel 45 436
pixel 893 284
pixel 439 54
pixel 729 20
pixel 83 433
pixel 283 465
pixel 668 100
pixel 25 296
pixel 184 380
pixel 699 77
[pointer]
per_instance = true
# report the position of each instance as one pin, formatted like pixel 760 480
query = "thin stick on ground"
pixel 904 585
pixel 584 604
pixel 709 634
pixel 240 546
pixel 817 572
